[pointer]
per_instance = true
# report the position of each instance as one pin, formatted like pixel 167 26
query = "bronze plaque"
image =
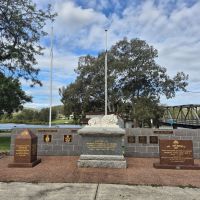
pixel 25 153
pixel 163 132
pixel 142 139
pixel 153 139
pixel 47 138
pixel 131 139
pixel 176 152
pixel 22 152
pixel 101 145
pixel 67 138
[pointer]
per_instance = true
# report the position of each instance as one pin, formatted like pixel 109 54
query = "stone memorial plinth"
pixel 102 143
pixel 176 154
pixel 25 152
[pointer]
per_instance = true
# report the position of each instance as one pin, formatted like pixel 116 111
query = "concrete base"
pixel 102 161
pixel 24 165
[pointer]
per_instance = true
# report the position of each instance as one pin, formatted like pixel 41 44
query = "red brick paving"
pixel 64 169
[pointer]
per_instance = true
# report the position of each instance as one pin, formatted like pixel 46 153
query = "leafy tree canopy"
pixel 12 96
pixel 134 80
pixel 21 28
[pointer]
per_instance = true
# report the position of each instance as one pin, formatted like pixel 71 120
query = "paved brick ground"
pixel 64 169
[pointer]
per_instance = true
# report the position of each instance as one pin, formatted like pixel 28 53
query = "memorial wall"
pixel 137 142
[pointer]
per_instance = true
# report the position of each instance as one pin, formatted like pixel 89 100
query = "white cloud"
pixel 172 27
pixel 73 18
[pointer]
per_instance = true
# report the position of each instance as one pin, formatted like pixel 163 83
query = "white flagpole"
pixel 106 78
pixel 51 66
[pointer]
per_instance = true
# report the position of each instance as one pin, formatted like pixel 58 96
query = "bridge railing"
pixel 186 121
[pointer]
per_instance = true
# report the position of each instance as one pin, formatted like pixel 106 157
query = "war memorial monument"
pixel 102 141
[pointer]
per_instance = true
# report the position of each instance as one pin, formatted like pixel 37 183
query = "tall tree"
pixel 140 75
pixel 12 96
pixel 21 28
pixel 134 78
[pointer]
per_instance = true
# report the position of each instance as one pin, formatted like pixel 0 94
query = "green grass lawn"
pixel 62 121
pixel 4 144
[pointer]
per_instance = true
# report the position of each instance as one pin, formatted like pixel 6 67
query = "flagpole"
pixel 106 77
pixel 51 66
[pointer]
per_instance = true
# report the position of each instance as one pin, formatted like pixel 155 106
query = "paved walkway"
pixel 81 191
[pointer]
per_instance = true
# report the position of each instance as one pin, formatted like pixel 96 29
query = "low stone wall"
pixel 137 142
pixel 57 146
pixel 150 147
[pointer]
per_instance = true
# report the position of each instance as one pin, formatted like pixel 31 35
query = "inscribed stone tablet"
pixel 25 153
pixel 176 152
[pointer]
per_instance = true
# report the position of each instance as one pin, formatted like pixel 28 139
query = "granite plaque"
pixel 102 145
pixel 142 139
pixel 177 154
pixel 67 138
pixel 131 139
pixel 25 153
pixel 153 139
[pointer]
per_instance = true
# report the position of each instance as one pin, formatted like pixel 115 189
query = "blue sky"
pixel 171 26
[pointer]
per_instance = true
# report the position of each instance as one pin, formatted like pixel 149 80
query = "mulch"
pixel 58 169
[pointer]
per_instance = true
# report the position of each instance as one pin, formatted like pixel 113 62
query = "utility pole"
pixel 106 77
pixel 51 66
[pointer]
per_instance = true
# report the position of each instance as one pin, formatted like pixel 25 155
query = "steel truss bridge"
pixel 186 116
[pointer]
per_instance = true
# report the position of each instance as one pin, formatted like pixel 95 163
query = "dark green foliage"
pixel 44 115
pixel 135 82
pixel 21 28
pixel 11 95
pixel 28 115
pixel 145 109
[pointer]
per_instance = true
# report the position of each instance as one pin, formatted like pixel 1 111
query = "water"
pixel 10 126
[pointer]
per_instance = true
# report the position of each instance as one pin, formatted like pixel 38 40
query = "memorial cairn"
pixel 25 152
pixel 103 141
